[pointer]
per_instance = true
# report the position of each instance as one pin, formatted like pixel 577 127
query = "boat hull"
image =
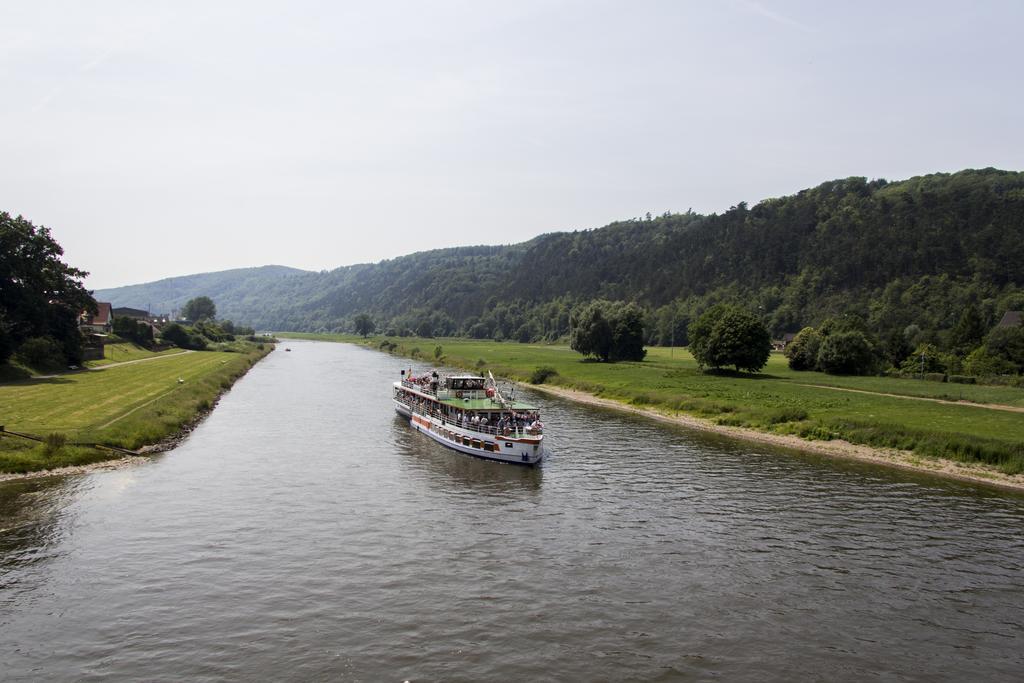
pixel 515 450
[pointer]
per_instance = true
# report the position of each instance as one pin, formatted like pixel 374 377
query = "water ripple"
pixel 304 532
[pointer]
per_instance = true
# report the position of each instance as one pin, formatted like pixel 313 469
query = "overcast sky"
pixel 160 139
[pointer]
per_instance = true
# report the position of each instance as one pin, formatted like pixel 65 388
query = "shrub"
pixel 787 415
pixel 415 352
pixel 963 379
pixel 542 374
pixel 480 363
pixel 981 363
pixel 183 337
pixel 53 442
pixel 438 352
pixel 41 352
pixel 925 356
pixel 134 330
pixel 1008 343
pixel 935 376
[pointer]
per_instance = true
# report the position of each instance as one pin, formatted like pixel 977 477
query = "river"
pixel 304 532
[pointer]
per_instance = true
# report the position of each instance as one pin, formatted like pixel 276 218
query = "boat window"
pixel 488 446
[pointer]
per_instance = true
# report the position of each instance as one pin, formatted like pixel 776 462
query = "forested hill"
pixel 236 291
pixel 897 253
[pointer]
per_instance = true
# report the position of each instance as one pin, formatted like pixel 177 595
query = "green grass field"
pixel 128 405
pixel 777 399
pixel 127 351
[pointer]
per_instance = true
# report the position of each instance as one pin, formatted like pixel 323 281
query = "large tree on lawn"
pixel 41 296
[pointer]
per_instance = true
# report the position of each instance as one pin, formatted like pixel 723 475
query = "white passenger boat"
pixel 471 415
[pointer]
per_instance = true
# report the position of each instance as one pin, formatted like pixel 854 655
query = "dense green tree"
pixel 199 308
pixel 42 353
pixel 133 330
pixel 802 352
pixel 183 337
pixel 480 330
pixel 364 325
pixel 591 332
pixel 846 352
pixel 609 331
pixel 729 335
pixel 627 323
pixel 7 343
pixel 40 295
pixel 425 328
pixel 896 348
pixel 1007 343
pixel 968 332
pixel 526 333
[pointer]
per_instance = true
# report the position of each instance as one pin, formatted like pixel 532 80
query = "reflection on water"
pixel 33 521
pixel 305 532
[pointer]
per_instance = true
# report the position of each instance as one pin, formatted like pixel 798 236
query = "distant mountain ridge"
pixel 896 253
pixel 235 291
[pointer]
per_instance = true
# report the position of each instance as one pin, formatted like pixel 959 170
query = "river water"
pixel 304 532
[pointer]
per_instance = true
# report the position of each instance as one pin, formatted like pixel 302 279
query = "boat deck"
pixel 485 404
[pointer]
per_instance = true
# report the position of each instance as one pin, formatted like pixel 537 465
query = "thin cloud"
pixel 84 68
pixel 95 62
pixel 46 99
pixel 759 9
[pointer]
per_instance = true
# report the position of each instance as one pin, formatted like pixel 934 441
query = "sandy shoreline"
pixel 119 464
pixel 837 448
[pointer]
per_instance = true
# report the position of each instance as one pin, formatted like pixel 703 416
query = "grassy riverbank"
pixel 131 405
pixel 122 352
pixel 931 419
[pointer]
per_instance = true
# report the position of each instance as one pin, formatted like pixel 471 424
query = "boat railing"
pixel 469 426
pixel 418 387
pixel 446 393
